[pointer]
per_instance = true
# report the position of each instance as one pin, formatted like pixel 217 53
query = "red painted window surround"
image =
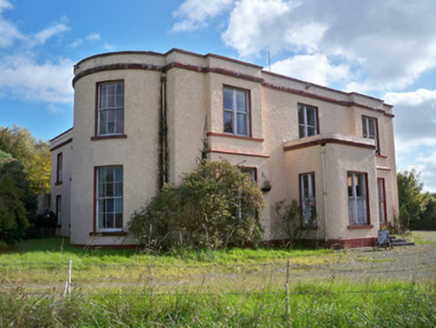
pixel 216 134
pixel 363 226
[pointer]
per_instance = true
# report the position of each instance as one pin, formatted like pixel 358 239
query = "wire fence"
pixel 66 278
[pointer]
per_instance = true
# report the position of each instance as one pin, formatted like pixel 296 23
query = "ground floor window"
pixel 307 199
pixel 252 173
pixel 381 200
pixel 358 198
pixel 109 202
pixel 59 209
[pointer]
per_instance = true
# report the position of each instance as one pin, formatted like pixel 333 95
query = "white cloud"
pixel 428 172
pixel 389 44
pixel 42 36
pixel 313 68
pixel 76 43
pixel 110 47
pixel 93 37
pixel 257 25
pixel 21 76
pixel 9 33
pixel 415 120
pixel 4 4
pixel 89 37
pixel 195 13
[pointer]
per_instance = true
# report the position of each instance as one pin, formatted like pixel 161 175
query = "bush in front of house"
pixel 214 206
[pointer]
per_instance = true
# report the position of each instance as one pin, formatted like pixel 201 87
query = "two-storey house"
pixel 142 119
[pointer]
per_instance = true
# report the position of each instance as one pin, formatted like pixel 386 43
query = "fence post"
pixel 67 289
pixel 288 310
pixel 70 269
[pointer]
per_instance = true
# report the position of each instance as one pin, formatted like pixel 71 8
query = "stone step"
pixel 403 243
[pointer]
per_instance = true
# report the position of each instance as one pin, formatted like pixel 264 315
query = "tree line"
pixel 24 174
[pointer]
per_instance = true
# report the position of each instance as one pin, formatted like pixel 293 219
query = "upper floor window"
pixel 307 120
pixel 59 168
pixel 109 198
pixel 236 112
pixel 370 130
pixel 110 108
pixel 358 198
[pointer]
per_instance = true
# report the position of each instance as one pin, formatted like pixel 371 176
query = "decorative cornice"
pixel 225 72
pixel 323 98
pixel 216 134
pixel 115 67
pixel 61 144
pixel 322 142
pixel 235 152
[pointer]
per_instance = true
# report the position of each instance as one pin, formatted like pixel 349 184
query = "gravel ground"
pixel 401 263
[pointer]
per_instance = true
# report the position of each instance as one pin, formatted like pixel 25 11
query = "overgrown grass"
pixel 310 305
pixel 183 288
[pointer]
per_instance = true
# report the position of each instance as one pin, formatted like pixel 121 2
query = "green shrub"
pixel 214 206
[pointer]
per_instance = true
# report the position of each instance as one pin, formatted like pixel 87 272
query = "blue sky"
pixel 386 49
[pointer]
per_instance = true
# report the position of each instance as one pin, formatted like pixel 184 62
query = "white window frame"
pixel 308 204
pixel 381 200
pixel 367 122
pixel 305 124
pixel 357 204
pixel 111 106
pixel 236 113
pixel 104 199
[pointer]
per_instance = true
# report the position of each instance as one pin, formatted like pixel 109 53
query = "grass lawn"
pixel 231 288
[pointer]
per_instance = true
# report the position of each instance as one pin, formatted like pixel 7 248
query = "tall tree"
pixel 17 203
pixel 33 154
pixel 413 201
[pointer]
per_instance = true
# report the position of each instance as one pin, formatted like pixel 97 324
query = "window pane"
pixel 118 174
pixel 119 205
pixel 110 206
pixel 301 131
pixel 101 221
pixel 350 186
pixel 110 220
pixel 242 124
pixel 118 220
pixel 103 122
pixel 228 98
pixel 228 122
pixel 119 121
pixel 311 116
pixel 359 185
pixel 241 105
pixel 311 131
pixel 305 184
pixel 372 129
pixel 300 114
pixel 118 189
pixel 365 127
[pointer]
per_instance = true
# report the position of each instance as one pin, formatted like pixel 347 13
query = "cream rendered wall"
pixel 339 160
pixel 302 161
pixel 63 189
pixel 280 123
pixel 137 154
pixel 187 99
